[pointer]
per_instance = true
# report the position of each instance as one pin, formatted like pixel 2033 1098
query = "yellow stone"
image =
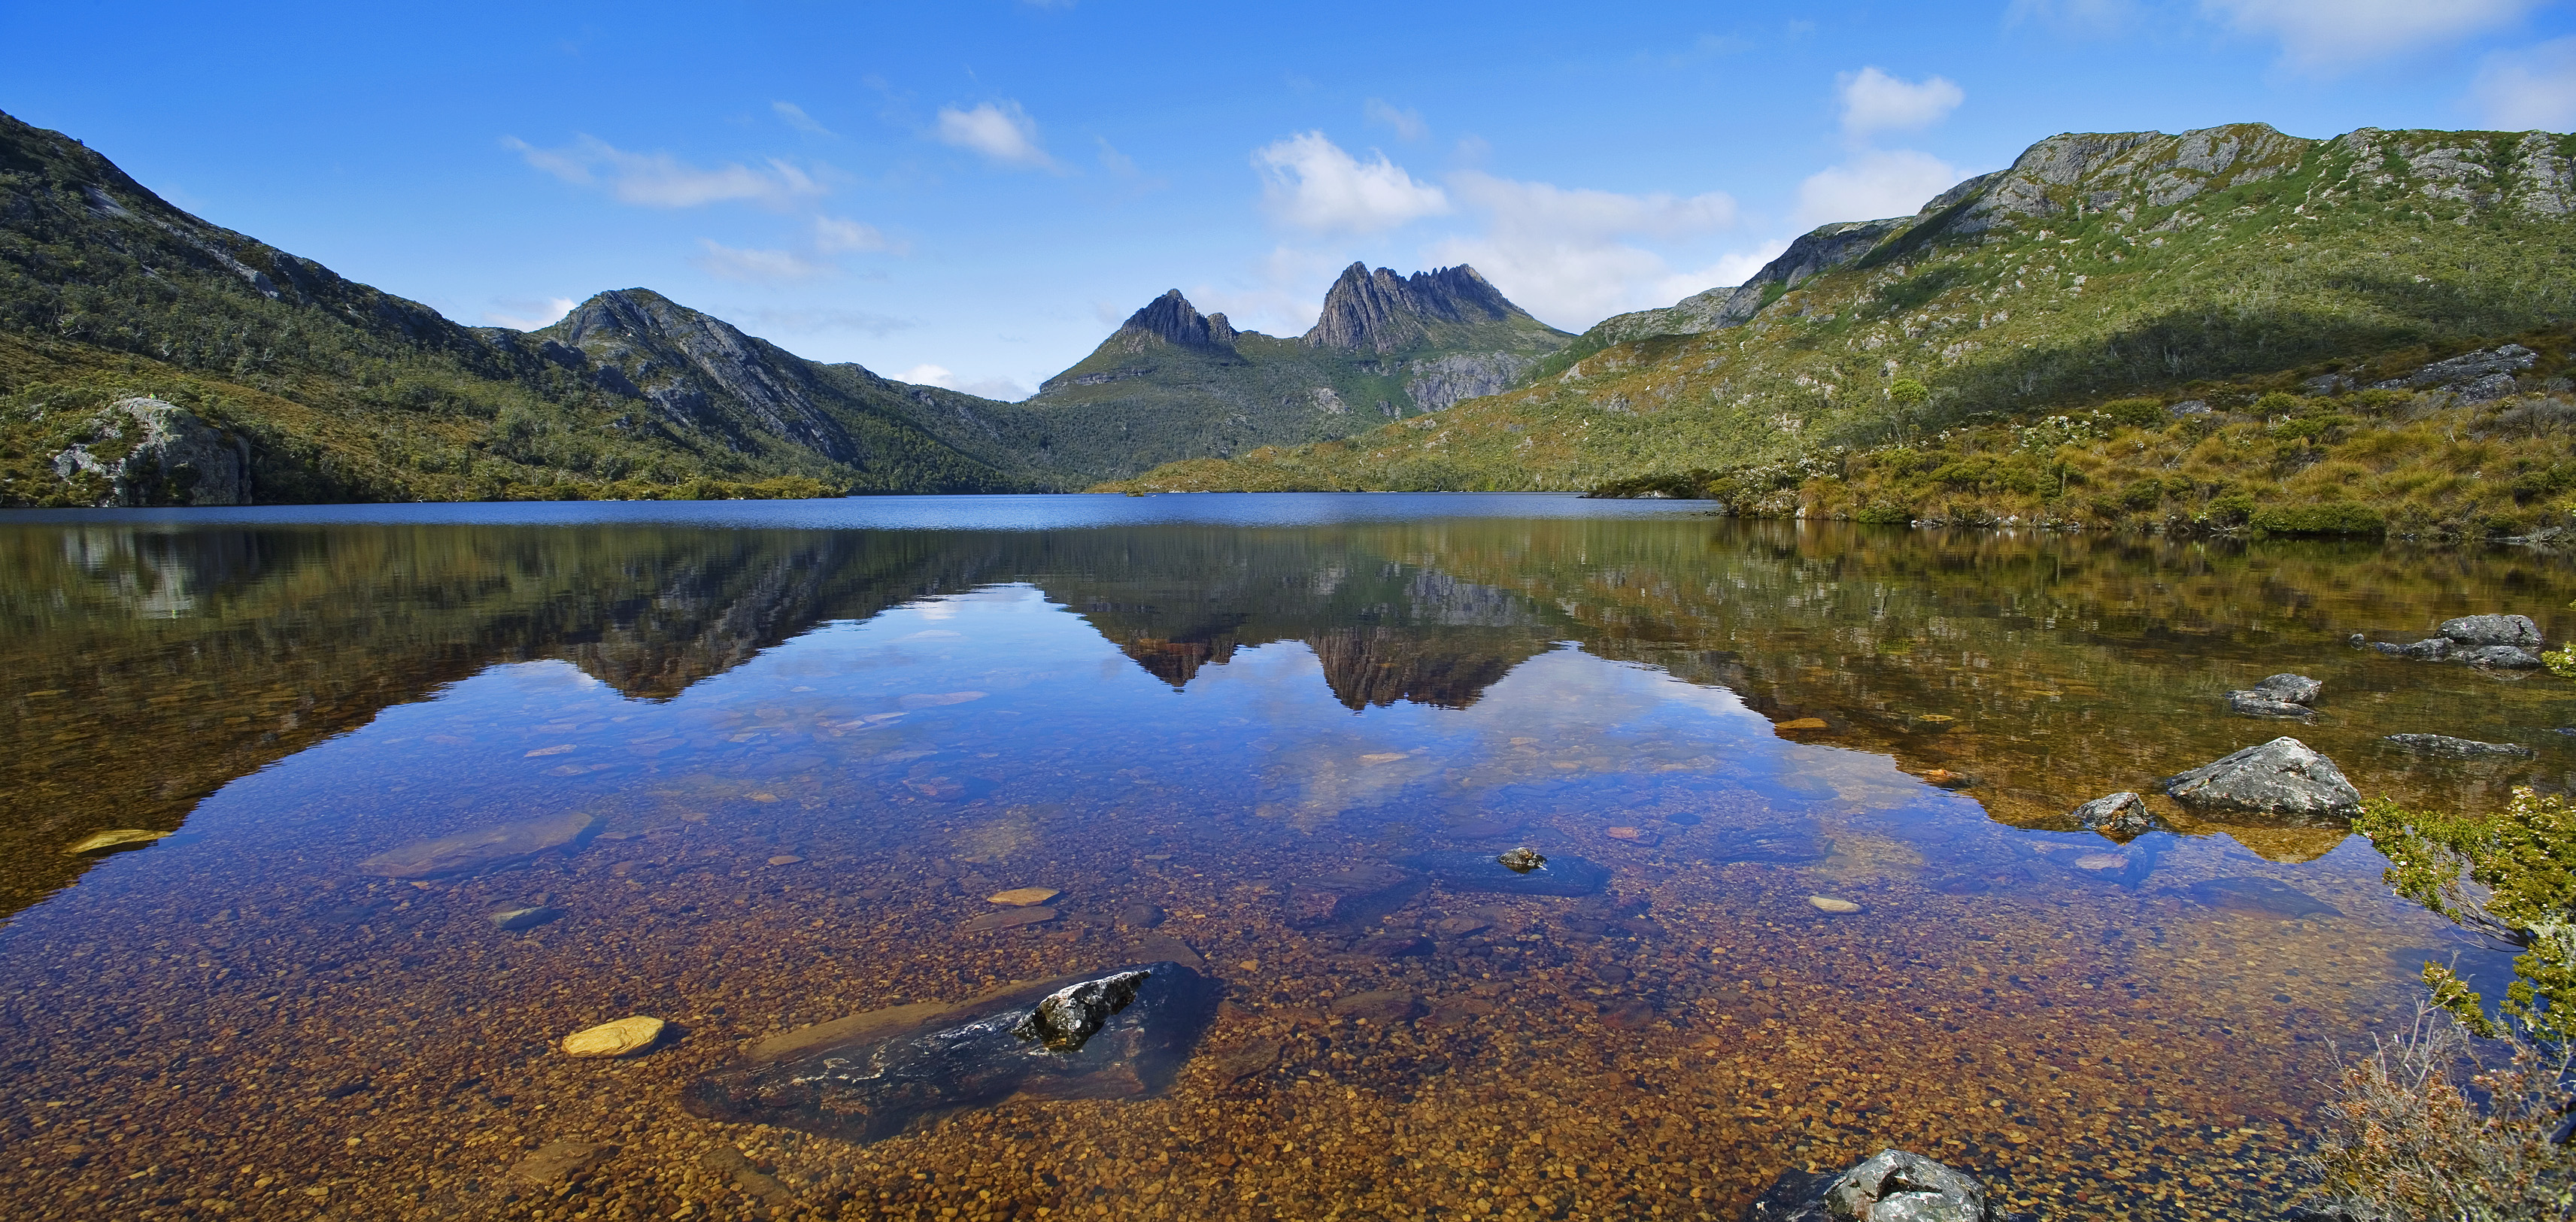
pixel 614 1039
pixel 1022 897
pixel 96 841
pixel 1805 723
pixel 1827 903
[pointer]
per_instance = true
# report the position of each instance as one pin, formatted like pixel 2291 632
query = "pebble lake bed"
pixel 1086 857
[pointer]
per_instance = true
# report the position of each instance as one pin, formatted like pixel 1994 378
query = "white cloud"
pixel 1308 182
pixel 1872 185
pixel 1565 254
pixel 835 235
pixel 659 180
pixel 758 266
pixel 2530 88
pixel 524 314
pixel 989 388
pixel 2324 35
pixel 794 116
pixel 1407 123
pixel 1000 131
pixel 1873 101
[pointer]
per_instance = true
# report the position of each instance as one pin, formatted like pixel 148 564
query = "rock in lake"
pixel 2257 704
pixel 2269 897
pixel 1522 860
pixel 1564 874
pixel 1385 1008
pixel 2282 778
pixel 1353 896
pixel 482 848
pixel 561 1160
pixel 120 838
pixel 1827 903
pixel 1891 1186
pixel 871 1079
pixel 2492 630
pixel 2498 657
pixel 1070 1016
pixel 1023 897
pixel 2454 748
pixel 1008 918
pixel 2290 689
pixel 516 917
pixel 617 1039
pixel 2430 650
pixel 2120 816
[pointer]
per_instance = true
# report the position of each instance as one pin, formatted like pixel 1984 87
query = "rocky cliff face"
pixel 1382 312
pixel 1173 319
pixel 700 373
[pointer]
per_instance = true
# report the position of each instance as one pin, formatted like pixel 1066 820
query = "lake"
pixel 775 757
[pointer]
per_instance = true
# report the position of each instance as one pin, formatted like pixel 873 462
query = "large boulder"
pixel 2499 657
pixel 148 452
pixel 2447 747
pixel 2492 630
pixel 2281 779
pixel 1890 1186
pixel 2290 689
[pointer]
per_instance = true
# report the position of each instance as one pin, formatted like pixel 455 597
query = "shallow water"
pixel 813 736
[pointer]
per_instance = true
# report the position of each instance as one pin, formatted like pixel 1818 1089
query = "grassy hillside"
pixel 346 393
pixel 2098 267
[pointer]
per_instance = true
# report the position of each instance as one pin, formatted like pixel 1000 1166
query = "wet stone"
pixel 1240 1063
pixel 1564 874
pixel 1141 916
pixel 1891 1186
pixel 1008 918
pixel 109 841
pixel 524 916
pixel 561 1160
pixel 1394 946
pixel 1385 1007
pixel 1522 860
pixel 1797 845
pixel 882 1082
pixel 2498 657
pixel 1832 905
pixel 2492 630
pixel 1353 896
pixel 2282 778
pixel 2258 704
pixel 2121 816
pixel 2433 649
pixel 746 1175
pixel 615 1039
pixel 2269 897
pixel 1022 897
pixel 2290 689
pixel 1066 1018
pixel 482 848
pixel 2446 747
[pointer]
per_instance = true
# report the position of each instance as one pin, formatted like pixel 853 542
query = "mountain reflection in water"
pixel 1177 724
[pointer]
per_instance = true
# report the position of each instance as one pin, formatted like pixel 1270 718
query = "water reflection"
pixel 804 756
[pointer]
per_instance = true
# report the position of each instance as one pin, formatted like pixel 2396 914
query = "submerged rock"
pixel 1564 874
pixel 1385 1008
pixel 482 848
pixel 617 1039
pixel 1829 904
pixel 1023 897
pixel 561 1160
pixel 876 1075
pixel 2270 897
pixel 2281 778
pixel 1890 1186
pixel 2290 689
pixel 2492 630
pixel 1071 1015
pixel 1796 845
pixel 524 916
pixel 2447 747
pixel 2257 704
pixel 119 838
pixel 2433 649
pixel 2120 816
pixel 1351 897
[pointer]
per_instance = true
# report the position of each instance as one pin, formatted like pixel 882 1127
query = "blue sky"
pixel 975 193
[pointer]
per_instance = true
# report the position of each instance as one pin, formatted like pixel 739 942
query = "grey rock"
pixel 482 848
pixel 1073 1014
pixel 2488 389
pixel 2492 630
pixel 2431 649
pixel 1522 860
pixel 2259 704
pixel 2281 778
pixel 1443 380
pixel 2454 748
pixel 2293 689
pixel 1172 317
pixel 2467 368
pixel 873 1076
pixel 2188 407
pixel 2120 816
pixel 175 459
pixel 2327 384
pixel 1890 1186
pixel 1388 313
pixel 2498 657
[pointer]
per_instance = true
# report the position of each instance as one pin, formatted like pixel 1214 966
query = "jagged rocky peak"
pixel 1386 312
pixel 1172 317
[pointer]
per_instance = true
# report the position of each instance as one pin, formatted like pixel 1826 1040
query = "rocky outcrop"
pixel 1436 383
pixel 702 374
pixel 147 452
pixel 2491 630
pixel 1172 319
pixel 2280 779
pixel 1890 1186
pixel 872 1076
pixel 2478 377
pixel 1383 312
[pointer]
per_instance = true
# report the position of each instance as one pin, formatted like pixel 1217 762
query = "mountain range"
pixel 148 356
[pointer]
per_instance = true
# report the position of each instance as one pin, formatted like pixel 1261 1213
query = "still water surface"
pixel 811 738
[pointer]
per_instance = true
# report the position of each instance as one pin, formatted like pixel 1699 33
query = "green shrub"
pixel 1884 513
pixel 2329 518
pixel 2279 403
pixel 2144 494
pixel 2136 413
